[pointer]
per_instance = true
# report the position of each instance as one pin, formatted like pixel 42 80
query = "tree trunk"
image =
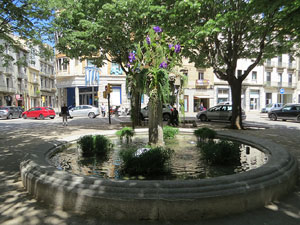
pixel 155 121
pixel 135 108
pixel 236 88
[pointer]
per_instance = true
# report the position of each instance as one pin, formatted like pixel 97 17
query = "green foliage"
pixel 126 132
pixel 94 145
pixel 102 146
pixel 149 163
pixel 86 144
pixel 204 135
pixel 170 132
pixel 229 31
pixel 221 153
pixel 25 19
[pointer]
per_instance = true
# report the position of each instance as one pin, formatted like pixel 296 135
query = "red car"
pixel 39 112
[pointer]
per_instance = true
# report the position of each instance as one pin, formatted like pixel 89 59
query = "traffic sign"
pixel 281 90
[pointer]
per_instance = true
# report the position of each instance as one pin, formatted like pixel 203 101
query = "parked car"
pixel 271 106
pixel 167 110
pixel 39 112
pixel 287 112
pixel 10 112
pixel 219 112
pixel 84 110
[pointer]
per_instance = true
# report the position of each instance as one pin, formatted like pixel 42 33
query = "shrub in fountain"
pixel 221 153
pixel 97 145
pixel 102 146
pixel 126 132
pixel 169 132
pixel 204 135
pixel 86 144
pixel 145 161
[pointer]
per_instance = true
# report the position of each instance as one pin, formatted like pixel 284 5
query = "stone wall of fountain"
pixel 163 200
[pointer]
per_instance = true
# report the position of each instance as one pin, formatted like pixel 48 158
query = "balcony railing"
pixel 280 84
pixel 291 66
pixel 45 89
pixel 202 83
pixel 7 89
pixel 269 64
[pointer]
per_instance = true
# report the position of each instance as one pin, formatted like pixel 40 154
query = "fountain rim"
pixel 249 189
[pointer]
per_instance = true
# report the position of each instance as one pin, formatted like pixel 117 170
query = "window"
pixel 7 82
pixel 32 56
pixel 290 78
pixel 116 69
pixel 42 84
pixel 268 98
pixel 280 60
pixel 223 91
pixel 62 64
pixel 280 77
pixel 268 77
pixel 200 75
pixel 254 75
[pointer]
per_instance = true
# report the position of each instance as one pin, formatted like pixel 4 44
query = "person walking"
pixel 175 116
pixel 64 114
pixel 103 110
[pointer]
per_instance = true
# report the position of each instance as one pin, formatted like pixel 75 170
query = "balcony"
pixel 7 89
pixel 291 66
pixel 7 70
pixel 202 83
pixel 269 64
pixel 280 84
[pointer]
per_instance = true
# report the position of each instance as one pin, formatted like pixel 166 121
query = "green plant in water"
pixel 204 135
pixel 151 162
pixel 221 153
pixel 102 146
pixel 126 132
pixel 169 132
pixel 86 144
pixel 97 145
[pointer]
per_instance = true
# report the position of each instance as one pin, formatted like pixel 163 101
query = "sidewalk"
pixel 17 207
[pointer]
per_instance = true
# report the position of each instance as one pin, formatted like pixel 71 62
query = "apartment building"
pixel 199 88
pixel 41 80
pixel 13 77
pixel 82 83
pixel 28 79
pixel 274 81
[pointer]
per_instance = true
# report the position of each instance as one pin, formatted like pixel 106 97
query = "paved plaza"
pixel 19 137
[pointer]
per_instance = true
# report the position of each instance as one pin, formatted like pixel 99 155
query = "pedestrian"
pixel 201 108
pixel 103 110
pixel 64 114
pixel 175 116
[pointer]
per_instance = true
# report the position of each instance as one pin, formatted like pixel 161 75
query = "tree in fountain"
pixel 157 56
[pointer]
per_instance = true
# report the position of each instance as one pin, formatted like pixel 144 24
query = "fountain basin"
pixel 164 200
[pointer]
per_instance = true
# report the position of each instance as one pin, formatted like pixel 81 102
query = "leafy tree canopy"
pixel 26 19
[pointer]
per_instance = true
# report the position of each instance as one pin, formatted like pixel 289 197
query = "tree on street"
pixel 25 19
pixel 217 33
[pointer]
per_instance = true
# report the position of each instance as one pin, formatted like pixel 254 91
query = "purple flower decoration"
pixel 157 29
pixel 148 40
pixel 170 46
pixel 177 48
pixel 131 57
pixel 128 65
pixel 163 65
